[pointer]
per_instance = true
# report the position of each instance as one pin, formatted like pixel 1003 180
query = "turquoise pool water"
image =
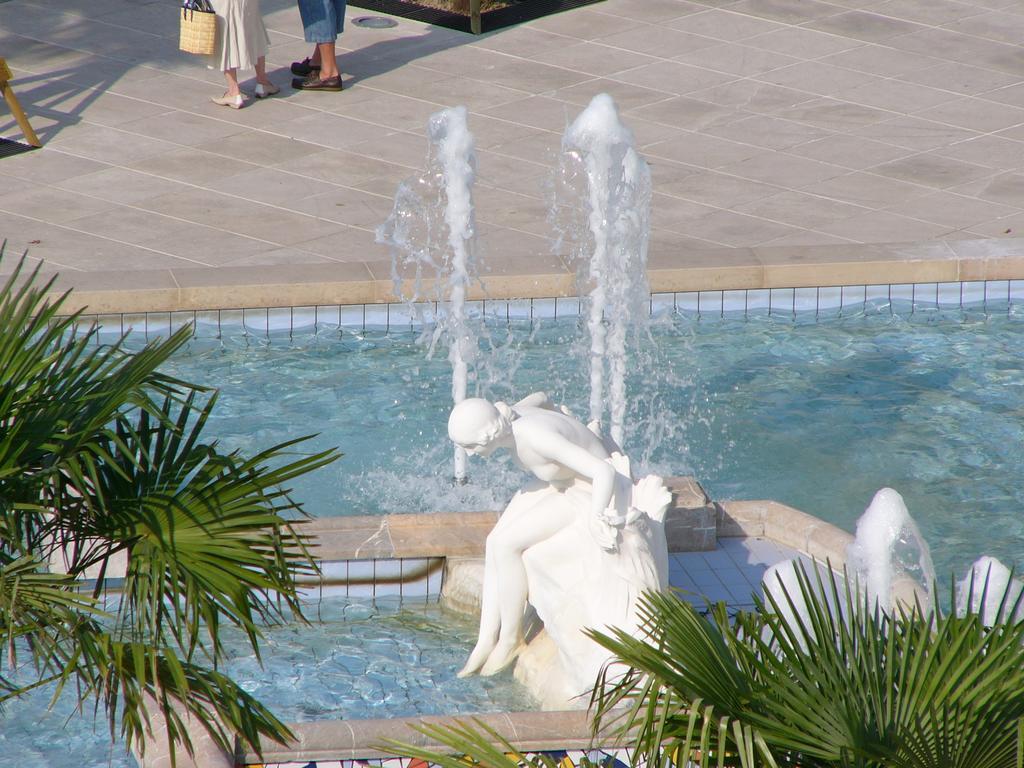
pixel 358 659
pixel 814 412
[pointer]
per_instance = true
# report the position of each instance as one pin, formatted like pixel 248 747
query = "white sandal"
pixel 262 91
pixel 235 102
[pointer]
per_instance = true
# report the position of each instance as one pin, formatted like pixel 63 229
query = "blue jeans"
pixel 322 20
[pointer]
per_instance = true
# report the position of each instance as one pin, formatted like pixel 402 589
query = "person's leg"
pixel 261 71
pixel 231 78
pixel 327 60
pixel 233 97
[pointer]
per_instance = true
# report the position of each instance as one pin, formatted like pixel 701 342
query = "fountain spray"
pixel 432 229
pixel 602 177
pixel 888 556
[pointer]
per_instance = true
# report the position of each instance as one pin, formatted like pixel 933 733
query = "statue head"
pixel 478 425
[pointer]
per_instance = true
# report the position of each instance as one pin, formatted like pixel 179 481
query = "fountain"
pixel 990 591
pixel 889 557
pixel 440 200
pixel 602 206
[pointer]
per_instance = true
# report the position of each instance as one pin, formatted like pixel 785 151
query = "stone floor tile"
pixel 815 77
pixel 811 44
pixel 866 189
pixel 882 227
pixel 540 147
pixel 135 226
pixel 974 114
pixel 720 190
pixel 1001 154
pixel 276 256
pixel 848 151
pixel 961 78
pixel 914 133
pixel 786 11
pixel 391 110
pixel 398 148
pixel 340 205
pixel 191 166
pixel 931 12
pixel 347 245
pixel 270 185
pixel 586 24
pixel 896 96
pixel 525 40
pixel 833 115
pixel 1009 95
pixel 724 24
pixel 541 112
pixel 321 129
pixel 52 204
pixel 881 60
pixel 658 40
pixel 754 97
pixel 1007 226
pixel 109 145
pixel 675 77
pixel 1005 188
pixel 594 58
pixel 861 25
pixel 48 166
pixel 932 170
pixel 801 210
pixel 528 214
pixel 673 213
pixel 261 147
pixel 736 230
pixel 952 210
pixel 434 87
pixel 651 11
pixel 699 149
pixel 736 59
pixel 784 170
pixel 341 167
pixel 627 97
pixel 768 132
pixel 1005 27
pixel 183 128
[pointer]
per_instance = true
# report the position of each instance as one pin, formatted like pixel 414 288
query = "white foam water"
pixel 602 208
pixel 431 232
pixel 889 557
pixel 990 591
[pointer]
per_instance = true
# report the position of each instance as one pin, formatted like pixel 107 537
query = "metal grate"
pixel 10 147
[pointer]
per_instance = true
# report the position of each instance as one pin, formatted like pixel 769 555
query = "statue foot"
pixel 503 655
pixel 476 659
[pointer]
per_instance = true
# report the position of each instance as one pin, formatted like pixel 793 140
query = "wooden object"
pixel 15 106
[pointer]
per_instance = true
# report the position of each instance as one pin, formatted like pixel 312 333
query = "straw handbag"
pixel 198 31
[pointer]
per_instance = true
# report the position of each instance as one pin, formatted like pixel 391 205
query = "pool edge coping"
pixel 338 283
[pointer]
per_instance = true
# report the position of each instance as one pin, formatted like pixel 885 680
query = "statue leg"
pixel 490 599
pixel 490 620
pixel 505 547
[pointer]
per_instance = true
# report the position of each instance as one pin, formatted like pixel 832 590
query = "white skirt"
pixel 241 36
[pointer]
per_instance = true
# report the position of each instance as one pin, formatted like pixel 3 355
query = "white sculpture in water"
pixel 580 543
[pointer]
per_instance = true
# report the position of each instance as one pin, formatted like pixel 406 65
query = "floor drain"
pixel 374 22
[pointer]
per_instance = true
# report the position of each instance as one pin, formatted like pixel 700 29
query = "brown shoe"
pixel 304 68
pixel 313 82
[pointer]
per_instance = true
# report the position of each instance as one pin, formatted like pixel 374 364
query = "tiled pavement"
pixel 766 122
pixel 731 573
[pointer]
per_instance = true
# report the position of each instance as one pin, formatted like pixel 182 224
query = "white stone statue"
pixel 580 543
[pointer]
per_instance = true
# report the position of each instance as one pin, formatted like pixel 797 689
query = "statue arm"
pixel 536 400
pixel 560 450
